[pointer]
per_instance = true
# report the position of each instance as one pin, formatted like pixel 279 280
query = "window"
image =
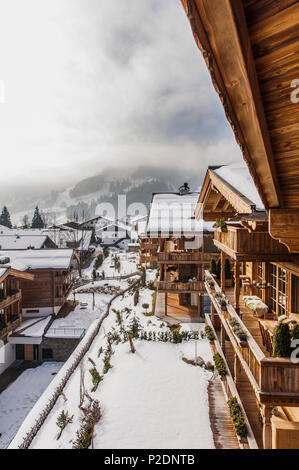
pixel 47 353
pixel 260 277
pixel 295 294
pixel 278 290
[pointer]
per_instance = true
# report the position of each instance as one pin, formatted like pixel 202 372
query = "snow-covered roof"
pixel 2 271
pixel 173 213
pixel 38 259
pixel 33 327
pixel 21 242
pixel 238 176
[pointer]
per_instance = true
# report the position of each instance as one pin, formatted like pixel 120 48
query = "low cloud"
pixel 95 83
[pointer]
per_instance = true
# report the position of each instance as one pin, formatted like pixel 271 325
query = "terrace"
pixel 273 380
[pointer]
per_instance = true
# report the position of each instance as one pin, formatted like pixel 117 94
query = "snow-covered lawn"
pixel 150 399
pixel 18 399
pixel 127 264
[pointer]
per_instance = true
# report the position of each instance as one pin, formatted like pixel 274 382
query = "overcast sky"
pixel 93 83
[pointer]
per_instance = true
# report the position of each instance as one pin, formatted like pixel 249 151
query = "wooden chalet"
pixel 51 270
pixel 11 298
pixel 182 248
pixel 251 50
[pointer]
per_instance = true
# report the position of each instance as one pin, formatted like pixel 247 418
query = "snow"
pixel 39 259
pixel 18 399
pixel 127 260
pixel 150 399
pixel 155 408
pixel 238 176
pixel 34 327
pixel 173 213
pixel 21 242
pixel 2 271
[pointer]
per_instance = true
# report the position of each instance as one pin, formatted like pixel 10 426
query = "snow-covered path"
pixel 18 399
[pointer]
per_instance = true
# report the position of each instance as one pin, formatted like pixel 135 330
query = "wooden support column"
pixel 237 287
pixel 267 427
pixel 212 313
pixel 237 370
pixel 165 305
pixel 222 338
pixel 222 276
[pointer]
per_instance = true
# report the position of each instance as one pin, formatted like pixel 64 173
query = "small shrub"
pixel 96 378
pixel 282 341
pixel 63 420
pixel 237 329
pixel 107 364
pixel 237 417
pixel 145 306
pixel 220 365
pixel 219 223
pixel 209 333
pixel 83 439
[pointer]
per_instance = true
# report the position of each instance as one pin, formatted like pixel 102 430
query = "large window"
pixel 295 294
pixel 260 277
pixel 278 290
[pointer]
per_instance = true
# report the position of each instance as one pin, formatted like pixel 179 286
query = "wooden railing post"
pixel 267 427
pixel 237 288
pixel 222 338
pixel 222 277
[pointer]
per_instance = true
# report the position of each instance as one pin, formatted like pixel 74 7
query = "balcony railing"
pixel 9 327
pixel 239 240
pixel 10 299
pixel 149 246
pixel 183 257
pixel 171 286
pixel 273 379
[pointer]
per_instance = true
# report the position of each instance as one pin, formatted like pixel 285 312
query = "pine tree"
pixel 37 221
pixel 5 218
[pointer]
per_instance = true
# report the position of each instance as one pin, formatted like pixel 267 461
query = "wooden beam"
pixel 284 226
pixel 220 31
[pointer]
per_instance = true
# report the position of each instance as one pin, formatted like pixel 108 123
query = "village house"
pixel 182 248
pixel 10 307
pixel 250 48
pixel 39 282
pixel 52 278
pixel 24 241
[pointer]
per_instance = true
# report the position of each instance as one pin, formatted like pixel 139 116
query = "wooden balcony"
pixel 180 287
pixel 275 381
pixel 186 257
pixel 241 244
pixel 148 246
pixel 11 326
pixel 10 299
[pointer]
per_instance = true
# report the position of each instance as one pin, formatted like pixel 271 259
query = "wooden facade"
pixel 182 270
pixel 266 386
pixel 11 300
pixel 48 291
pixel 251 50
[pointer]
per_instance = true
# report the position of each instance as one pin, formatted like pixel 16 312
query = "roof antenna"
pixel 184 189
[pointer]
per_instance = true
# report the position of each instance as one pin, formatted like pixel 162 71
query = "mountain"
pixel 81 200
